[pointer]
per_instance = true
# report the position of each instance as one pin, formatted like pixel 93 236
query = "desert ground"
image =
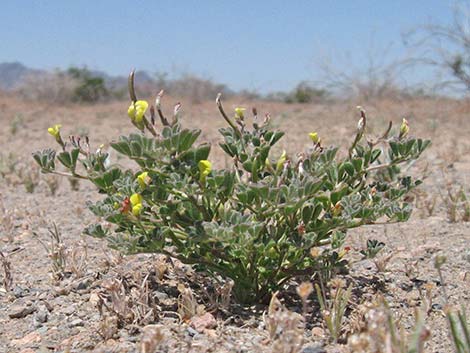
pixel 45 310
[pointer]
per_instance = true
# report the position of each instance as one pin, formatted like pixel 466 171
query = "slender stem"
pixel 78 176
pixel 224 115
pixel 159 109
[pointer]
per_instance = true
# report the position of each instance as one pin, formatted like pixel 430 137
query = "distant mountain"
pixel 16 76
pixel 13 73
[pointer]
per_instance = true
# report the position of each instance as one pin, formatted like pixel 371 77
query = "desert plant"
pixel 7 224
pixel 458 325
pixel 254 223
pixel 456 202
pixel 385 333
pixel 56 251
pixel 7 275
pixel 52 182
pixel 8 164
pixel 91 88
pixel 306 93
pixel 333 306
pixel 445 47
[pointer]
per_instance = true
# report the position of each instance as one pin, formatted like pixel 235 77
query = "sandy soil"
pixel 43 314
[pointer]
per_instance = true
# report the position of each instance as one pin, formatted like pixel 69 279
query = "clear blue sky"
pixel 261 45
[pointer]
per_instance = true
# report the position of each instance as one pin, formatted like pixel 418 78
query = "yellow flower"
pixel 404 128
pixel 136 199
pixel 137 209
pixel 280 162
pixel 205 168
pixel 143 179
pixel 137 110
pixel 314 137
pixel 239 113
pixel 55 131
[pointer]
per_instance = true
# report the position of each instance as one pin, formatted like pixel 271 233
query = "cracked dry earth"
pixel 72 312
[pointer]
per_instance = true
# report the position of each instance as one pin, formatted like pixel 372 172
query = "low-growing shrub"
pixel 261 222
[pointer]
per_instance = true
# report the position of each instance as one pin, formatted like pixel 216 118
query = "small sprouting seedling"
pixel 459 327
pixel 57 252
pixel 427 296
pixel 383 333
pixel 426 203
pixel 372 249
pixel 459 330
pixel 333 307
pixel 457 203
pixel 7 221
pixel 381 262
pixel 52 182
pixel 8 164
pixel 304 290
pixel 30 178
pixel 77 258
pixel 187 304
pixel 152 338
pixel 74 184
pixel 16 124
pixel 285 328
pixel 7 276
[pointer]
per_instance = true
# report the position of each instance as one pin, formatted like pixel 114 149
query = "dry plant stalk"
pixel 56 251
pixel 333 308
pixel 152 337
pixel 77 257
pixel 7 276
pixel 6 217
pixel 285 328
pixel 384 334
pixel 187 304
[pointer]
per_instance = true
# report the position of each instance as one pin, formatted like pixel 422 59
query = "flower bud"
pixel 143 179
pixel 137 209
pixel 136 199
pixel 404 128
pixel 314 137
pixel 205 168
pixel 55 132
pixel 136 112
pixel 282 159
pixel 239 113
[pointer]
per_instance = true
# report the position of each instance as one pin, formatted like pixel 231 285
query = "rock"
pixel 191 332
pixel 313 349
pixel 28 350
pixel 160 295
pixel 19 292
pixel 318 333
pixel 76 323
pixel 69 310
pixel 42 315
pixel 32 337
pixel 201 323
pixel 18 311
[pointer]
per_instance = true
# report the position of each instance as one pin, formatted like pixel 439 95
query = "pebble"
pixel 160 295
pixel 191 332
pixel 42 315
pixel 69 310
pixel 76 323
pixel 18 311
pixel 313 349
